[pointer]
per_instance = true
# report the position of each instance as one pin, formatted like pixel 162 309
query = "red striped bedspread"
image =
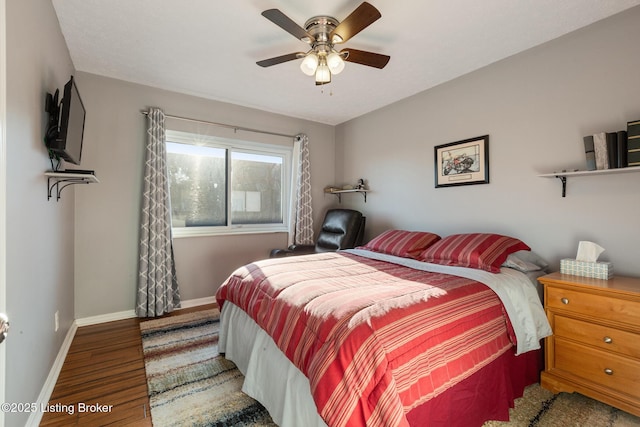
pixel 375 339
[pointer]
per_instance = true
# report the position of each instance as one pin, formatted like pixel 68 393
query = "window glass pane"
pixel 197 182
pixel 222 186
pixel 256 188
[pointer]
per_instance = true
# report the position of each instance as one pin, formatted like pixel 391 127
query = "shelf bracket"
pixel 339 194
pixel 60 184
pixel 563 179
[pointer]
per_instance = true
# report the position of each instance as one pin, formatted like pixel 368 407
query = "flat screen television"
pixel 66 124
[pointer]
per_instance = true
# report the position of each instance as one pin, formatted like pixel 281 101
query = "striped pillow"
pixel 402 243
pixel 484 251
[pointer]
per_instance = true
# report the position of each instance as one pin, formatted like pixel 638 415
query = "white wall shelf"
pixel 339 193
pixel 60 180
pixel 563 175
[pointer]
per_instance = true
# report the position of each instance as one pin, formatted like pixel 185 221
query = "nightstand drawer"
pixel 603 337
pixel 593 305
pixel 595 366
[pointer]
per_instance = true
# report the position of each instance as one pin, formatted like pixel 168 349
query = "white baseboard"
pixel 198 301
pixel 130 314
pixel 104 318
pixel 50 383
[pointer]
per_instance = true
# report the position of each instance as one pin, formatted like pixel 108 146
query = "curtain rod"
pixel 235 128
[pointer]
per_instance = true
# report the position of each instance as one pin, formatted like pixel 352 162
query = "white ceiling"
pixel 209 48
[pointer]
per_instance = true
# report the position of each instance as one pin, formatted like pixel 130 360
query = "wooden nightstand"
pixel 595 346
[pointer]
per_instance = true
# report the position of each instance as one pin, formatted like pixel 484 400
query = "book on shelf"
pixel 612 149
pixel 600 149
pixel 622 149
pixel 589 152
pixel 633 143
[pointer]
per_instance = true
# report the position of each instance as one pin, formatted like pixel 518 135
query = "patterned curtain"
pixel 301 232
pixel 157 282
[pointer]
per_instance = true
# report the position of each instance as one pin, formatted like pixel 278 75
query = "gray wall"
pixel 536 107
pixel 107 214
pixel 39 232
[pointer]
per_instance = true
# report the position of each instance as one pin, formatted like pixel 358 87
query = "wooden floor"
pixel 104 368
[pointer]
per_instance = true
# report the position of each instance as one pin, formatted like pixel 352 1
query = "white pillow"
pixel 525 261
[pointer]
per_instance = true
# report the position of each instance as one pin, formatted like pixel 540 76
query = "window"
pixel 219 185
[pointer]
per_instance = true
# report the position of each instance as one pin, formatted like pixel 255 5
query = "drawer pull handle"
pixel 607 340
pixel 608 371
pixel 565 300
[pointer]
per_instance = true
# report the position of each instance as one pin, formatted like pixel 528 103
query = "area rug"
pixel 189 383
pixel 541 408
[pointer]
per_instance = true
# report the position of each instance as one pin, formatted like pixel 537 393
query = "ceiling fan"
pixel 323 33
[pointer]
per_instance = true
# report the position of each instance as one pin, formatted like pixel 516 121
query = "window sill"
pixel 179 233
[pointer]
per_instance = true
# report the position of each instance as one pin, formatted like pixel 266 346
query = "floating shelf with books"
pixel 59 180
pixel 563 175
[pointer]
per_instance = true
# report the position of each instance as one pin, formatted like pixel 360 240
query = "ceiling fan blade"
pixel 287 24
pixel 366 58
pixel 361 18
pixel 280 59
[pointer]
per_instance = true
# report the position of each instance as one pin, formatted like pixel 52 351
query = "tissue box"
pixel 597 270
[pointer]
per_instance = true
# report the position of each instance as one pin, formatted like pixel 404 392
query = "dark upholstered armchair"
pixel 341 229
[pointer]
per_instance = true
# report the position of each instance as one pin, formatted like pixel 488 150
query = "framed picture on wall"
pixel 462 162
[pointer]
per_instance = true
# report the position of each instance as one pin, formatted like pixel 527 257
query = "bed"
pixel 409 330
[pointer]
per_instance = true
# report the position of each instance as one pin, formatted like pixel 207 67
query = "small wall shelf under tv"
pixel 59 180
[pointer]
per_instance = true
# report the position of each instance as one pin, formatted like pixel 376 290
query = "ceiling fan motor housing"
pixel 320 27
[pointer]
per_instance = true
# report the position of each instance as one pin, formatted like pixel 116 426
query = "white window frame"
pixel 240 146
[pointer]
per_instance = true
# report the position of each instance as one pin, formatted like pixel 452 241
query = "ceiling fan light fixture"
pixel 335 63
pixel 323 74
pixel 322 32
pixel 309 64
